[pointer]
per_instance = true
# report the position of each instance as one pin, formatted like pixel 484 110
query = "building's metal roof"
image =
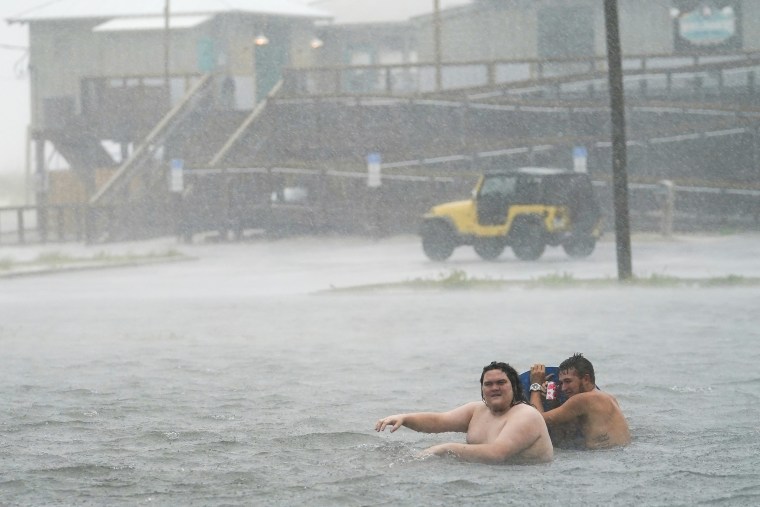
pixel 338 11
pixel 374 11
pixel 150 23
pixel 103 9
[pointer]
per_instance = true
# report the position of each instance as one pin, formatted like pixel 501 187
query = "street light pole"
pixel 167 44
pixel 437 43
pixel 619 176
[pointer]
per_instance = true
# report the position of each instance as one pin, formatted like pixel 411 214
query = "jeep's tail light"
pixel 560 220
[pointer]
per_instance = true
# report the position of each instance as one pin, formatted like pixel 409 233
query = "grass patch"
pixel 55 260
pixel 658 280
pixel 459 279
pixel 452 279
pixel 653 280
pixel 556 279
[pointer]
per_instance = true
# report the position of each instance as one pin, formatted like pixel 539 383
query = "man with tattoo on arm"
pixel 593 415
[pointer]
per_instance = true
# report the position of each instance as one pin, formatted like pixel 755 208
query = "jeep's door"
pixel 494 198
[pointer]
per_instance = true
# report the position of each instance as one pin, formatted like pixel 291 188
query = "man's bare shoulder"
pixel 593 400
pixel 472 408
pixel 523 410
pixel 598 394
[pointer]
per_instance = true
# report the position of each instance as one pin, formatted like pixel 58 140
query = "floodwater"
pixel 236 380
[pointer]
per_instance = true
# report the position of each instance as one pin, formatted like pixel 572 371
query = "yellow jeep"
pixel 526 208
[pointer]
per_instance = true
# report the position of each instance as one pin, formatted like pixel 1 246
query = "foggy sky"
pixel 14 89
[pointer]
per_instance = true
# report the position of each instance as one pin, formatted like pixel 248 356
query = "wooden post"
pixel 668 208
pixel 41 190
pixel 60 222
pixel 20 225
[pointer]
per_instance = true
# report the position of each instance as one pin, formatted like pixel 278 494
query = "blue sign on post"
pixel 580 158
pixel 176 183
pixel 373 170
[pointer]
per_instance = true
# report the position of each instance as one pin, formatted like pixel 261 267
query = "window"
pixel 502 186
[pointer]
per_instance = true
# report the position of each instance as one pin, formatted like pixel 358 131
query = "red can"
pixel 550 388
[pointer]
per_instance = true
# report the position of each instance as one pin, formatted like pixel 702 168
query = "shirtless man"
pixel 502 427
pixel 592 413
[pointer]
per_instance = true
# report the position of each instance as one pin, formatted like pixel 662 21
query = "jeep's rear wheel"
pixel 489 248
pixel 579 247
pixel 528 241
pixel 438 241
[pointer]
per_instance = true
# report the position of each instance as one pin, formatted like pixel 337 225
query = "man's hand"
pixel 538 374
pixel 394 421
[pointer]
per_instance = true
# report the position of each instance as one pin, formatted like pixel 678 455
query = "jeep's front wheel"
pixel 489 248
pixel 437 241
pixel 579 247
pixel 528 241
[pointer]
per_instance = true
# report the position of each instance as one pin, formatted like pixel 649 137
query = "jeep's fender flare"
pixel 440 221
pixel 525 218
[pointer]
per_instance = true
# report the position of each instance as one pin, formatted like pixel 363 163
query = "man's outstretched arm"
pixel 431 422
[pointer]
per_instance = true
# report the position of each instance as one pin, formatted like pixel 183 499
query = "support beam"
pixel 41 188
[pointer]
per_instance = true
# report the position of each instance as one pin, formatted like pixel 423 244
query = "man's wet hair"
pixel 517 393
pixel 580 364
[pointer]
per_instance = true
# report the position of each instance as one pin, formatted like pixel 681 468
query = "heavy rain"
pixel 234 235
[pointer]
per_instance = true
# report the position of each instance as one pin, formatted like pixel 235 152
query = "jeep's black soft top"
pixel 555 186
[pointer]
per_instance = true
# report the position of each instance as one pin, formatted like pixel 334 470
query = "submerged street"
pixel 240 377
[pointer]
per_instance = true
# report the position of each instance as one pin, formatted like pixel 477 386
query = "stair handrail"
pixel 235 137
pixel 148 141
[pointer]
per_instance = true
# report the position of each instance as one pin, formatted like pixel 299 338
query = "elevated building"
pixel 123 90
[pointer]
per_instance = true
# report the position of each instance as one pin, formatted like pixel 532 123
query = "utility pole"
pixel 619 175
pixel 167 47
pixel 437 43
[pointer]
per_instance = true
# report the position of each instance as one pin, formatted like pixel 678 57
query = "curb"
pixel 87 266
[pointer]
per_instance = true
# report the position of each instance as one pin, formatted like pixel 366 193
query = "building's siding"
pixel 645 27
pixel 509 29
pixel 751 25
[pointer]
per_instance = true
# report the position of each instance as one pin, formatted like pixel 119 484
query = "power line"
pixel 32 9
pixel 13 47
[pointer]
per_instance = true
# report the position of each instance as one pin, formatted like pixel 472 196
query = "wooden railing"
pixel 153 141
pixel 33 224
pixel 409 79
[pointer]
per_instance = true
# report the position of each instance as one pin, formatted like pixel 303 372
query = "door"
pixel 270 59
pixel 494 198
